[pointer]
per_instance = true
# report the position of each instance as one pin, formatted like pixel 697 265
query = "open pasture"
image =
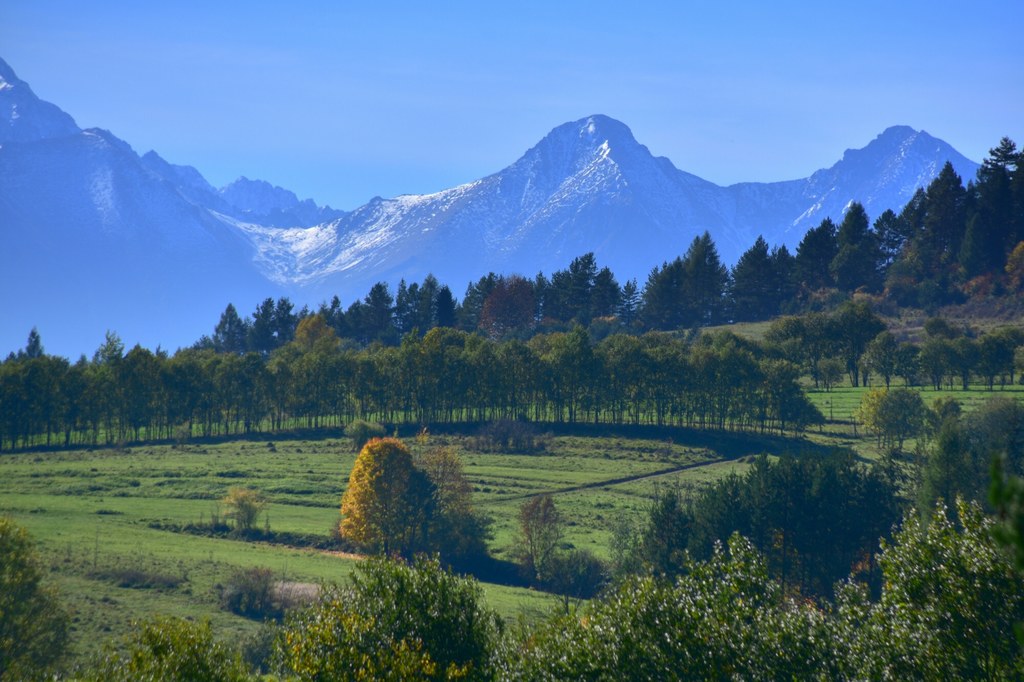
pixel 104 519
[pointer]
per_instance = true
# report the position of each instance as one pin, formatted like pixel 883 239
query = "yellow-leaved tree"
pixel 387 504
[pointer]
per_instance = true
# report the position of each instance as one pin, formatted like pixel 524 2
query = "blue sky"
pixel 343 101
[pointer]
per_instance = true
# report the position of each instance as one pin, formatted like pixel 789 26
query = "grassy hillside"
pixel 104 519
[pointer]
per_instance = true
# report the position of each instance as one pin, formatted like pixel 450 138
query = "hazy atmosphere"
pixel 342 103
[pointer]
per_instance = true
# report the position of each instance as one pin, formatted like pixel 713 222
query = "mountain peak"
pixel 593 131
pixel 7 78
pixel 23 116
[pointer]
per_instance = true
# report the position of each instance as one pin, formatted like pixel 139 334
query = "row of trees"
pixel 853 341
pixel 718 382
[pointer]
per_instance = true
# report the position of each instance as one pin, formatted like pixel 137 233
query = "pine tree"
pixel 814 255
pixel 231 333
pixel 753 284
pixel 705 281
pixel 858 259
pixel 629 302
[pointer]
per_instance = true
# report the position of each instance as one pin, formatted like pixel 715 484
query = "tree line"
pixel 447 376
pixel 712 381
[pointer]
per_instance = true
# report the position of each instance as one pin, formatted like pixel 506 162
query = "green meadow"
pixel 107 521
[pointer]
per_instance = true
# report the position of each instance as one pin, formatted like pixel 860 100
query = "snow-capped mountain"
pixel 95 237
pixel 590 186
pixel 23 116
pixel 91 240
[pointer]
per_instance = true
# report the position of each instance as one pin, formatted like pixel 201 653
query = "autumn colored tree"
pixel 387 503
pixel 244 506
pixel 508 308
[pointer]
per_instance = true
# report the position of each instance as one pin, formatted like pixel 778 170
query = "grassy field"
pixel 101 517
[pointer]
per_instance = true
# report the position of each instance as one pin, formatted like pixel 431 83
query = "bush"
pixel 250 592
pixel 506 435
pixel 244 506
pixel 33 626
pixel 361 432
pixel 723 619
pixel 170 650
pixel 397 621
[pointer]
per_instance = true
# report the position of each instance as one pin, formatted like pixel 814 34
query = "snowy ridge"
pixel 590 186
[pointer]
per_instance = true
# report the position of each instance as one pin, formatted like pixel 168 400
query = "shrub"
pixel 171 650
pixel 506 435
pixel 250 592
pixel 724 619
pixel 244 506
pixel 33 626
pixel 397 621
pixel 361 432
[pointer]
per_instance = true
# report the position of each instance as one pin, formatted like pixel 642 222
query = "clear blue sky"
pixel 342 101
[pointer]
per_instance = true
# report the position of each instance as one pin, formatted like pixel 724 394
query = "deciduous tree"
pixel 387 503
pixel 33 625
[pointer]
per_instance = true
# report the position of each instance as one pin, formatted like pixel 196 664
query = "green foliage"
pixel 244 506
pixel 960 460
pixel 893 415
pixel 457 530
pixel 858 259
pixel 33 625
pixel 949 601
pixel 816 520
pixel 396 622
pixel 170 649
pixel 361 432
pixel 723 619
pixel 540 531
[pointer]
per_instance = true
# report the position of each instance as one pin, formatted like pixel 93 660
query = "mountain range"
pixel 94 236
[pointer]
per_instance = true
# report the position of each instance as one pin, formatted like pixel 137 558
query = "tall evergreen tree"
pixel 857 262
pixel 262 331
pixel 753 284
pixel 605 295
pixel 34 346
pixel 705 281
pixel 629 302
pixel 444 307
pixel 662 306
pixel 990 230
pixel 944 219
pixel 814 255
pixel 231 333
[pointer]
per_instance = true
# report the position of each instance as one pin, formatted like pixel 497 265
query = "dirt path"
pixel 624 479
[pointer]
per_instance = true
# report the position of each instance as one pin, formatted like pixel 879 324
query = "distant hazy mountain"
pixel 92 236
pixel 91 239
